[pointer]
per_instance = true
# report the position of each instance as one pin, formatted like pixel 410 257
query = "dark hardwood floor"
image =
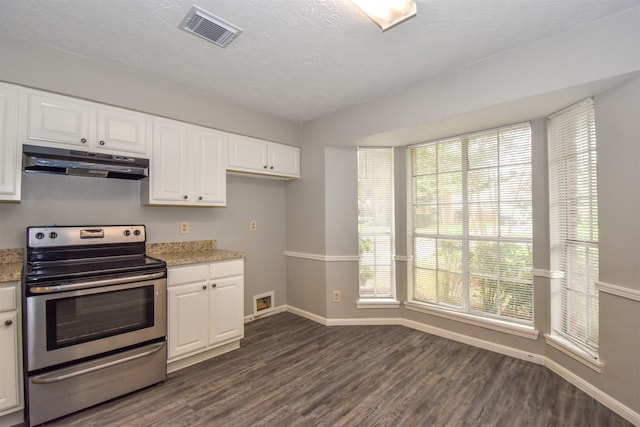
pixel 291 371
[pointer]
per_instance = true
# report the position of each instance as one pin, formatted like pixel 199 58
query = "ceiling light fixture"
pixel 387 13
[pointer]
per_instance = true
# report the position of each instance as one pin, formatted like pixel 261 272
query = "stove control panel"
pixel 52 236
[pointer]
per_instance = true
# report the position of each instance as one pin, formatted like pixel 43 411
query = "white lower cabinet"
pixel 10 372
pixel 206 311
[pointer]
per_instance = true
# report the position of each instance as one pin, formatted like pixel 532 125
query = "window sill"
pixel 497 325
pixel 576 353
pixel 377 303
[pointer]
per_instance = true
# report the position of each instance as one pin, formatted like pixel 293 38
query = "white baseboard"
pixel 307 315
pixel 540 359
pixel 599 395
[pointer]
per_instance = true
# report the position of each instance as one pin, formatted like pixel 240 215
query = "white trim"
pixel 602 397
pixel 620 291
pixel 599 395
pixel 378 303
pixel 325 258
pixel 12 418
pixel 402 258
pixel 476 342
pixel 540 272
pixel 366 321
pixel 494 324
pixel 574 352
pixel 307 315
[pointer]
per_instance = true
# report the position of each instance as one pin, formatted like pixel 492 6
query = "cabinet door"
pixel 247 154
pixel 284 160
pixel 9 375
pixel 187 318
pixel 122 130
pixel 226 311
pixel 58 119
pixel 10 165
pixel 209 161
pixel 171 179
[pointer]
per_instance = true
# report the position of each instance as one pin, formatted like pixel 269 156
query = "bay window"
pixel 469 219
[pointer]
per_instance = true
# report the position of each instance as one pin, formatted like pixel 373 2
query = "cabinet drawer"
pixel 187 274
pixel 7 298
pixel 226 268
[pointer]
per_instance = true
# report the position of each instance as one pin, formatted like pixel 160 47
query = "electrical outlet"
pixel 253 226
pixel 184 227
pixel 336 296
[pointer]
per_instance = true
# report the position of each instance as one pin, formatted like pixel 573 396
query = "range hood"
pixel 82 163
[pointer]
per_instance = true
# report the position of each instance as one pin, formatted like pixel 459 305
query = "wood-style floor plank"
pixel 291 371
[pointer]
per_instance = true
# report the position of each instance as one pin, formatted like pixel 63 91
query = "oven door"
pixel 65 326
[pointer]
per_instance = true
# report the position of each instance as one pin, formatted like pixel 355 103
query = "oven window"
pixel 86 318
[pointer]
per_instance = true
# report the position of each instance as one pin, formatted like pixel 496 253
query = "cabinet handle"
pixel 83 140
pixel 213 285
pixel 101 142
pixel 204 287
pixel 200 198
pixel 271 167
pixel 185 197
pixel 8 322
pixel 265 166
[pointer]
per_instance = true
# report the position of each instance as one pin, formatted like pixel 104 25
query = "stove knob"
pixel 53 235
pixel 127 232
pixel 39 235
pixel 136 232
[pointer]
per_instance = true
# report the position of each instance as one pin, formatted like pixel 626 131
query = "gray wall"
pixel 51 199
pixel 523 84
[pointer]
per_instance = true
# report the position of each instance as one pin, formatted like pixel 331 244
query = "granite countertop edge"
pixel 174 254
pixel 10 265
pixel 10 272
pixel 197 257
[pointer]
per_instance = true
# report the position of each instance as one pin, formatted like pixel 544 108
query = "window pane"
pixel 483 185
pixel 450 288
pixel 449 255
pixel 425 285
pixel 516 300
pixel 574 222
pixel 484 295
pixel 449 156
pixel 375 222
pixel 425 253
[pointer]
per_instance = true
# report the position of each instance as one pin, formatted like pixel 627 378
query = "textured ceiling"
pixel 297 59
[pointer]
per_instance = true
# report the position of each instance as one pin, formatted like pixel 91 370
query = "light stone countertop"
pixel 10 265
pixel 195 252
pixel 174 254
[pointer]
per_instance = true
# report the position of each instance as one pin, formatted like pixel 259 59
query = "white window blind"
pixel 470 223
pixel 375 222
pixel 574 222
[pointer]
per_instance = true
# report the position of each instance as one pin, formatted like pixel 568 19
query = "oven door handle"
pixel 94 283
pixel 52 378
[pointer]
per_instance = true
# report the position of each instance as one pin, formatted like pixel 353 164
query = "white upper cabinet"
pixel 187 167
pixel 123 130
pixel 257 156
pixel 59 121
pixel 10 153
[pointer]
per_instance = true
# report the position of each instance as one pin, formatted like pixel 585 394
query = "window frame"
pixel 576 126
pixel 367 300
pixel 465 237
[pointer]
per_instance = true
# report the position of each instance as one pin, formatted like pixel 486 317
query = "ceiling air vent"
pixel 209 27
